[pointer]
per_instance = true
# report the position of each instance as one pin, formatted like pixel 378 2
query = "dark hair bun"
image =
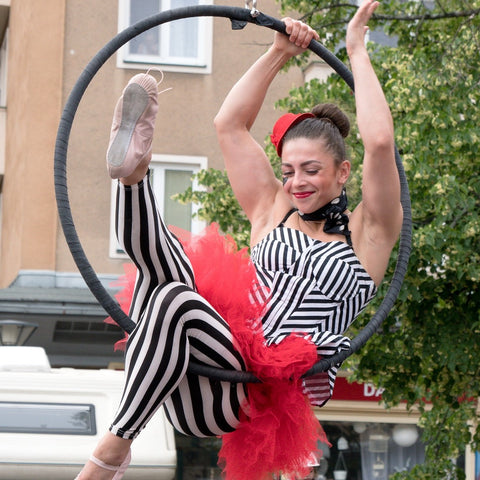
pixel 332 113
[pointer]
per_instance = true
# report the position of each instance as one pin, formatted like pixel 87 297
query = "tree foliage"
pixel 218 204
pixel 429 349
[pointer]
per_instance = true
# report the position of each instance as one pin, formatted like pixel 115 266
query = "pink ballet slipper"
pixel 119 470
pixel 132 126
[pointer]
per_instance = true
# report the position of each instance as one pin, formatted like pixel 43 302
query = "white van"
pixel 52 418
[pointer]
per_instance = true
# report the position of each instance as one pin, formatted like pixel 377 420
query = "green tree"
pixel 428 353
pixel 218 204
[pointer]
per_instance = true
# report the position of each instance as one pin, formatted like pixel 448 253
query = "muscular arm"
pixel 378 219
pixel 247 165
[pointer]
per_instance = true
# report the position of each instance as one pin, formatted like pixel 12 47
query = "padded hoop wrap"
pixel 239 17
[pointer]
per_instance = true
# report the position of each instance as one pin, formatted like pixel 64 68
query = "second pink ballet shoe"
pixel 132 126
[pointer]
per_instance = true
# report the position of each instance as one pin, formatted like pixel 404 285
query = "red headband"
pixel 283 124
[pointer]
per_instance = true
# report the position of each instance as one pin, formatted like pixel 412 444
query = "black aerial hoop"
pixel 239 18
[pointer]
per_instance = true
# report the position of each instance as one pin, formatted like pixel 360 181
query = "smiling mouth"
pixel 302 194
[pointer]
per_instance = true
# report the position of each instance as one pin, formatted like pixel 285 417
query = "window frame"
pixel 162 162
pixel 203 65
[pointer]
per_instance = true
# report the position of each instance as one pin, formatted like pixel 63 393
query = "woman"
pixel 329 268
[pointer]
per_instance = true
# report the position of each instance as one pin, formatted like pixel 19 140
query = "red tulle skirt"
pixel 278 431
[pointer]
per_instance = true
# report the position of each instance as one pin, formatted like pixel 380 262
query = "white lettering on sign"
pixel 369 390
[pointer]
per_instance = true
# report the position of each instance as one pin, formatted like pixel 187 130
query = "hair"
pixel 330 125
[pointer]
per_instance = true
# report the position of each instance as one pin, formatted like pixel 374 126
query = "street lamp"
pixel 15 332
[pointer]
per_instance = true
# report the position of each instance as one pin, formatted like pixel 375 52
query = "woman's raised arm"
pixel 380 208
pixel 247 165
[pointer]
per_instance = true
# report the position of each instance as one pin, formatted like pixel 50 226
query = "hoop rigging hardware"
pixel 253 10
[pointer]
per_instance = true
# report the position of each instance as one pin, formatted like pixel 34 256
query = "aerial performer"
pixel 315 265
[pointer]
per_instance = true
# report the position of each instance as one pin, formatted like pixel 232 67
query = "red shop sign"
pixel 366 392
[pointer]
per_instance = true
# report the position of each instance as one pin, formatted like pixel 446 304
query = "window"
pixel 54 418
pixel 70 331
pixel 183 45
pixel 169 174
pixel 358 451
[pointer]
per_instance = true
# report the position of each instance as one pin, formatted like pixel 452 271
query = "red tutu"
pixel 278 431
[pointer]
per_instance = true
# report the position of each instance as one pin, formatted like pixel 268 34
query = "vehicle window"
pixel 53 418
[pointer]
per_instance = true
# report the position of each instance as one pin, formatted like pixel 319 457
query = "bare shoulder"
pixel 373 242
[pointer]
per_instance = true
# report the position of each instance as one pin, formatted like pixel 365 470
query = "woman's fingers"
pixel 299 33
pixel 357 27
pixel 365 11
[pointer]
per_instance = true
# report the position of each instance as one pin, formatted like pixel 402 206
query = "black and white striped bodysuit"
pixel 317 288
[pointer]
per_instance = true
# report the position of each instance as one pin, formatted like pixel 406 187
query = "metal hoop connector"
pixel 253 11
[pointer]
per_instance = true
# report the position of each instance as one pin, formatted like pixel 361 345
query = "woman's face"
pixel 311 178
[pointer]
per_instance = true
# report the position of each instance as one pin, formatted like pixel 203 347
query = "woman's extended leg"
pixel 173 321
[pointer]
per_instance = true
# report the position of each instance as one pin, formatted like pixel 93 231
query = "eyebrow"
pixel 303 164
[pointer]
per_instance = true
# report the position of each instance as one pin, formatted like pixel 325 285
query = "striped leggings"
pixel 173 324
